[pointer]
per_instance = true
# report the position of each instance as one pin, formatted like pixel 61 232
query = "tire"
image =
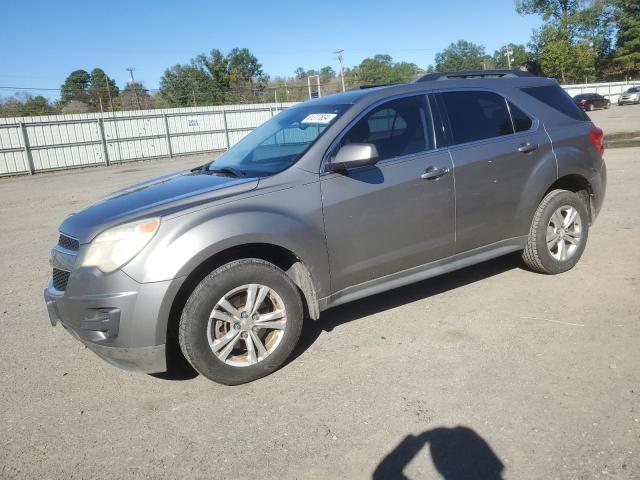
pixel 591 107
pixel 199 335
pixel 607 106
pixel 540 257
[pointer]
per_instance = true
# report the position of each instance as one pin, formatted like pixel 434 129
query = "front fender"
pixel 290 218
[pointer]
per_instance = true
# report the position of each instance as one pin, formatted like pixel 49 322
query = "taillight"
pixel 583 102
pixel 596 135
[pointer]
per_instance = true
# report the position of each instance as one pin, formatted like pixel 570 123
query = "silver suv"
pixel 332 200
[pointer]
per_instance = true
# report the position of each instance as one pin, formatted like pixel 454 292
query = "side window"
pixel 399 127
pixel 477 115
pixel 556 98
pixel 521 121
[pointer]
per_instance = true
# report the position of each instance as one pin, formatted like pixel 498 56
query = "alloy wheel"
pixel 564 233
pixel 246 325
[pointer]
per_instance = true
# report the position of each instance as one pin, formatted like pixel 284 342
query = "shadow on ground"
pixel 401 296
pixel 457 453
pixel 181 370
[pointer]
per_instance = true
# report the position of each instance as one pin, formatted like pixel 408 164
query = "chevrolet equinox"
pixel 330 201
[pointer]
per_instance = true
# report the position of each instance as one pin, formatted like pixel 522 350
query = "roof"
pixel 476 79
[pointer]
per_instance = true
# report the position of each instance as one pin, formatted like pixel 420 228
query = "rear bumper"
pixel 117 318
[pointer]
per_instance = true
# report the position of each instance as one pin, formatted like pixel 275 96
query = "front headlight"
pixel 118 245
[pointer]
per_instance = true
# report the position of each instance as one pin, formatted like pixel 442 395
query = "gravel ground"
pixel 492 366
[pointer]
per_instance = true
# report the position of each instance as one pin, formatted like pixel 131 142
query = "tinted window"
pixel 521 121
pixel 633 90
pixel 477 115
pixel 556 98
pixel 399 127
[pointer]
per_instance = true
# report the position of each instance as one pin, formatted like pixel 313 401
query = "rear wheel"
pixel 241 322
pixel 558 234
pixel 608 105
pixel 590 107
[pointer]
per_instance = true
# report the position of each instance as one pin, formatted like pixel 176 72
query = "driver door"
pixel 396 214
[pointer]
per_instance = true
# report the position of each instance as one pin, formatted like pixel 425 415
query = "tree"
pixel 461 55
pixel 580 24
pixel 381 69
pixel 213 79
pixel 300 73
pixel 326 74
pixel 25 105
pixel 519 55
pixel 76 87
pixel 101 89
pixel 135 96
pixel 626 57
pixel 566 62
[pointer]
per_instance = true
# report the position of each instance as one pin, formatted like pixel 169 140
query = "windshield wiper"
pixel 230 171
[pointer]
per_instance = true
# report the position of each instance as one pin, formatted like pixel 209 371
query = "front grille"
pixel 68 242
pixel 60 279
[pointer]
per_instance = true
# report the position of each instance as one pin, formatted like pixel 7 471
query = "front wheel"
pixel 558 234
pixel 241 322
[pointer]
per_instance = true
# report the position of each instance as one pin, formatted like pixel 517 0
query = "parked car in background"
pixel 591 101
pixel 632 95
pixel 330 201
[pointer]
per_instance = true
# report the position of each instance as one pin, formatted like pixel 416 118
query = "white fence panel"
pixel 12 158
pixel 51 142
pixel 611 90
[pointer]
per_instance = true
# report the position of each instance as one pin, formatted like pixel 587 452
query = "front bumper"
pixel 126 328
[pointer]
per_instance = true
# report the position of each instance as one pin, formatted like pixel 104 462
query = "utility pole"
pixel 507 53
pixel 340 58
pixel 135 87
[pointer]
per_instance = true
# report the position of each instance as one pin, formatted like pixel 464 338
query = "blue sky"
pixel 41 42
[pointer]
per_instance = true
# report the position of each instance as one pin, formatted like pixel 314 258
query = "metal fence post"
pixel 103 138
pixel 27 148
pixel 167 134
pixel 226 128
pixel 271 111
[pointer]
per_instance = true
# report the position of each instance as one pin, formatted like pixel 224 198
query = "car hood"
pixel 160 196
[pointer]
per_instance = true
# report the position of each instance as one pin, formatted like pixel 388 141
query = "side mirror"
pixel 354 155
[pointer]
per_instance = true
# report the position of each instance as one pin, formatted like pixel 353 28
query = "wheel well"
pixel 576 184
pixel 279 256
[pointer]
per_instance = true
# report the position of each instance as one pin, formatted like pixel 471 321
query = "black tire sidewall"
pixel 560 199
pixel 195 318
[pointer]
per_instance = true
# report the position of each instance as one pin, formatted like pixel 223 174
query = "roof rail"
pixel 473 74
pixel 364 87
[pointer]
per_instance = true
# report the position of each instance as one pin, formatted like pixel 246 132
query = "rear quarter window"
pixel 556 98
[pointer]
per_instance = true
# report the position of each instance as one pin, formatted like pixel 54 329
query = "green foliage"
pixel 461 55
pixel 213 79
pixel 25 105
pixel 87 88
pixel 75 87
pixel 101 89
pixel 627 54
pixel 519 55
pixel 381 69
pixel 566 62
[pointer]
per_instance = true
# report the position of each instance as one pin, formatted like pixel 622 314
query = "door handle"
pixel 433 173
pixel 527 147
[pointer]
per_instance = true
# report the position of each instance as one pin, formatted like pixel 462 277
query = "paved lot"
pixel 493 365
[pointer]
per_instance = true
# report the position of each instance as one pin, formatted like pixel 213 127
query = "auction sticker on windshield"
pixel 319 118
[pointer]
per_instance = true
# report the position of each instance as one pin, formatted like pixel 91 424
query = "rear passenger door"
pixel 497 149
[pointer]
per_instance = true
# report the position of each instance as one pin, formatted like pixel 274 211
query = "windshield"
pixel 278 143
pixel 633 90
